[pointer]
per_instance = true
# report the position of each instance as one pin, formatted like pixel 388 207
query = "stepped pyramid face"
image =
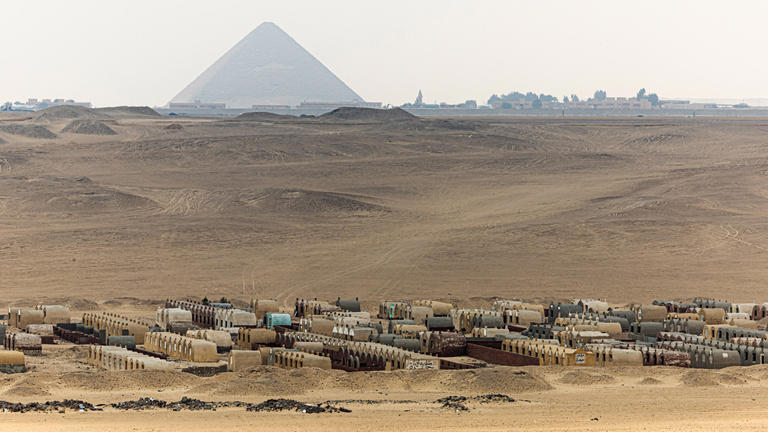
pixel 267 67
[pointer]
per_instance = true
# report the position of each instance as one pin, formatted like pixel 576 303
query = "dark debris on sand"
pixel 271 405
pixel 48 406
pixel 185 404
pixel 457 403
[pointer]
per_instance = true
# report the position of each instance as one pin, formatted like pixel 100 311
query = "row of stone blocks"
pixel 181 347
pixel 122 359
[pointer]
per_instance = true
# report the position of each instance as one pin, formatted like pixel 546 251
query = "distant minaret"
pixel 419 99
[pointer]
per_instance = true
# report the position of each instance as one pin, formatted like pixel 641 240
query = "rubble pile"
pixel 185 403
pixel 60 406
pixel 272 405
pixel 456 403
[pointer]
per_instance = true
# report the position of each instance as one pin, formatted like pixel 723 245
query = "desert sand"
pixel 547 398
pixel 465 210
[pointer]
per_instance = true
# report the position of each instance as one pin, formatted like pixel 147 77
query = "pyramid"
pixel 267 67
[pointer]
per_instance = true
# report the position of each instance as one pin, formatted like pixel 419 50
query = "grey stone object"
pixel 122 341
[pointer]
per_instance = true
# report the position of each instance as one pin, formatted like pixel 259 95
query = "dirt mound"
pixel 101 199
pixel 585 378
pixel 756 372
pixel 496 380
pixel 83 304
pixel 112 303
pixel 701 378
pixel 88 127
pixel 66 194
pixel 74 303
pixel 275 381
pixel 128 111
pixel 311 202
pixel 65 112
pixel 649 381
pixel 26 391
pixel 263 116
pixel 268 380
pixel 131 301
pixel 29 131
pixel 368 115
pixel 174 126
pixel 128 380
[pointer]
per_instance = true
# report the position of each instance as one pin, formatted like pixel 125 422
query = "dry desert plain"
pixel 465 210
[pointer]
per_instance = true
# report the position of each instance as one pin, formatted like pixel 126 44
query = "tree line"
pixel 536 100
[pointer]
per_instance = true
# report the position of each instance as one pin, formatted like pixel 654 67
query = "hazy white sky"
pixel 144 52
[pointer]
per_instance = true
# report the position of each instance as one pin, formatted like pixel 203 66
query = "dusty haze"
pixel 143 53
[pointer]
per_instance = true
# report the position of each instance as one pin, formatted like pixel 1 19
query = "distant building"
pixel 672 103
pixel 34 104
pixel 197 105
pixel 270 107
pixel 45 103
pixel 621 103
pixel 419 103
pixel 334 105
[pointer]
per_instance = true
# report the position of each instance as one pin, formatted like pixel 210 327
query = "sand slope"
pixel 629 210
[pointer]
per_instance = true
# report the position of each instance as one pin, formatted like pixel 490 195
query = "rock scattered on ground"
pixel 457 403
pixel 184 404
pixel 71 404
pixel 189 404
pixel 272 405
pixel 369 401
